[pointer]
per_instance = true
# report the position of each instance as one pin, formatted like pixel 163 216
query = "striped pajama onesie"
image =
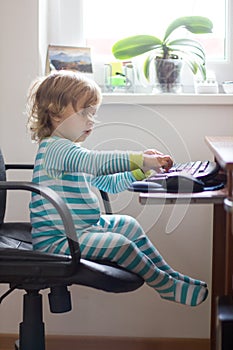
pixel 71 171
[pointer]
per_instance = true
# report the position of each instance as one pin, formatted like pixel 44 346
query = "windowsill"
pixel 168 99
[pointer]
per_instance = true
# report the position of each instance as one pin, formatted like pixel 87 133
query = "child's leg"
pixel 119 249
pixel 130 228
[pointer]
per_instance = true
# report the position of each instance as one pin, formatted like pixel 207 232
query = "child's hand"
pixel 152 151
pixel 166 162
pixel 156 161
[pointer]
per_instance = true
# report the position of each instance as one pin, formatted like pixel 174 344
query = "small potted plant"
pixel 168 54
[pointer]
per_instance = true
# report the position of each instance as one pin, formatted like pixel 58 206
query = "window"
pixel 105 22
pixel 98 24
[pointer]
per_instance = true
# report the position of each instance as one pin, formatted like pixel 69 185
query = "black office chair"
pixel 32 271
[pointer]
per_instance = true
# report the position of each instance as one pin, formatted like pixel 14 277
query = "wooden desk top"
pixel 222 148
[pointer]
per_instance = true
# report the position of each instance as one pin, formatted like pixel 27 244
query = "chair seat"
pixel 25 267
pixel 105 276
pixel 20 231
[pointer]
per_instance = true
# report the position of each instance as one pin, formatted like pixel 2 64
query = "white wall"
pixel 19 65
pixel 177 129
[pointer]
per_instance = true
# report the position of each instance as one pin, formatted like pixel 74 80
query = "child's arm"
pixel 64 155
pixel 116 183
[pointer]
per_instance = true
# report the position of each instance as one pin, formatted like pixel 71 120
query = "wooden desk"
pixel 222 252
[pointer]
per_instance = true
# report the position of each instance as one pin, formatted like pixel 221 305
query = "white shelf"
pixel 168 99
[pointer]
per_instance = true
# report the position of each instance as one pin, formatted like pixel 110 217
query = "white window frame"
pixel 224 69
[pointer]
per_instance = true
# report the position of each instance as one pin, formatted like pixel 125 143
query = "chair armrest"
pixel 106 202
pixel 59 204
pixel 19 166
pixel 104 195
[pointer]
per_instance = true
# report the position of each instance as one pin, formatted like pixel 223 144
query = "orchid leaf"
pixel 188 43
pixel 188 46
pixel 146 67
pixel 134 46
pixel 194 24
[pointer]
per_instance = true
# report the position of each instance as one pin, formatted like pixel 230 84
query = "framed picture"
pixel 69 58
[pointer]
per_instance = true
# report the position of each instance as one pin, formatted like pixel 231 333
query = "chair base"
pixel 31 330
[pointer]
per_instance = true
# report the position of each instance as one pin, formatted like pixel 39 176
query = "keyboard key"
pixel 203 166
pixel 198 169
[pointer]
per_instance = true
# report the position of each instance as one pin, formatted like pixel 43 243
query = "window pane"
pixel 107 21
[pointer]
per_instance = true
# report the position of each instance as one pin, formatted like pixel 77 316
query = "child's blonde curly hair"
pixel 50 95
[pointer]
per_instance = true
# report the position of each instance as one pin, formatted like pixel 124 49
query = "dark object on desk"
pixel 175 183
pixel 190 177
pixel 179 183
pixel 146 186
pixel 224 323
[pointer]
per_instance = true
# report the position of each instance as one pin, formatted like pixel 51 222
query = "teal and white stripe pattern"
pixel 124 242
pixel 70 170
pixel 67 169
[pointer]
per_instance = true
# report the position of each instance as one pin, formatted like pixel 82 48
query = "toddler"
pixel 61 109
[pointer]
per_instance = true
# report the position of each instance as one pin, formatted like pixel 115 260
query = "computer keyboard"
pixel 202 170
pixel 187 177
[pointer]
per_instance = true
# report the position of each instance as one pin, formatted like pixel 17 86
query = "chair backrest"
pixel 2 193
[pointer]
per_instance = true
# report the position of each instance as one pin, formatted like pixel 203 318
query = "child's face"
pixel 75 126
